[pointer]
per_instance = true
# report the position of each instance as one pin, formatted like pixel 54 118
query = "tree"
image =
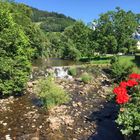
pixel 21 15
pixel 114 31
pixel 15 55
pixel 69 49
pixel 81 38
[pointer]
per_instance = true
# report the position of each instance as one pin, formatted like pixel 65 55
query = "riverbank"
pixel 86 116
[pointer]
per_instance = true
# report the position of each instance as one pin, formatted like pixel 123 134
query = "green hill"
pixel 51 21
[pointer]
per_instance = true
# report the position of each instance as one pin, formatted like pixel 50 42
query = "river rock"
pixel 7 137
pixel 79 104
pixel 54 122
pixel 78 79
pixel 30 85
pixel 4 124
pixel 29 90
pixel 34 82
pixel 74 104
pixel 81 92
pixel 35 138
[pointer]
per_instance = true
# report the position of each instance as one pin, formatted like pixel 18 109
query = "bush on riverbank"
pixel 119 70
pixel 86 78
pixel 72 71
pixel 50 93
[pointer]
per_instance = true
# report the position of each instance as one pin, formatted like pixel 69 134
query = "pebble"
pixel 40 126
pixel 9 129
pixel 4 124
pixel 33 126
pixel 27 107
pixel 35 138
pixel 70 128
pixel 79 104
pixel 7 137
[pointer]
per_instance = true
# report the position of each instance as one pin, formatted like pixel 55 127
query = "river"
pixel 51 62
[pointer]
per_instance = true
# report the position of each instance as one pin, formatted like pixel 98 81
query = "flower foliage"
pixel 128 97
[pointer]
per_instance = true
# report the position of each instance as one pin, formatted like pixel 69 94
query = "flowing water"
pixel 41 67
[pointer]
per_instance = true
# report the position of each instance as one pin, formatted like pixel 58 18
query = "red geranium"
pixel 131 83
pixel 121 95
pixel 123 84
pixel 134 76
pixel 120 90
pixel 122 98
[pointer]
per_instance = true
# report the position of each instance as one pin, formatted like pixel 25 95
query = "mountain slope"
pixel 51 21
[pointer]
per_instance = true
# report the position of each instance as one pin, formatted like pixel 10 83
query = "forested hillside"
pixel 51 21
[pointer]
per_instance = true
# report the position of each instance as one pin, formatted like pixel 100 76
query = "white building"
pixel 138 45
pixel 136 35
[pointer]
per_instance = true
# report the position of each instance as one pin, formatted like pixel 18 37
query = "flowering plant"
pixel 127 95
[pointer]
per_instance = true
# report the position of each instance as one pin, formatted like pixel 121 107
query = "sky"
pixel 86 10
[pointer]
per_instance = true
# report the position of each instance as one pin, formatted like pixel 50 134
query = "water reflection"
pixel 51 62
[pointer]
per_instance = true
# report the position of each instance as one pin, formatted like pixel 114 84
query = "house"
pixel 138 45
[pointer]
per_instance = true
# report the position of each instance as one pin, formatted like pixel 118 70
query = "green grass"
pixel 129 60
pixel 124 60
pixel 86 78
pixel 101 60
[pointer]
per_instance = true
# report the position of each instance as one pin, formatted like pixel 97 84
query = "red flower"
pixel 121 94
pixel 120 90
pixel 123 84
pixel 131 83
pixel 122 98
pixel 134 76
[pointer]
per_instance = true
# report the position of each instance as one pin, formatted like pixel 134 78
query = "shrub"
pixel 72 71
pixel 135 69
pixel 50 93
pixel 114 59
pixel 128 97
pixel 137 57
pixel 86 78
pixel 119 71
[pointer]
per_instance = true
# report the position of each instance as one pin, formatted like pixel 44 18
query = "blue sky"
pixel 85 10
